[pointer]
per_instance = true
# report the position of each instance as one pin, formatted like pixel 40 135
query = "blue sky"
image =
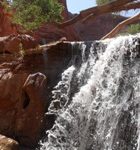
pixel 75 6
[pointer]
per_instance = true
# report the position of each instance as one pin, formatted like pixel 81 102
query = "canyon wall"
pixel 6 25
pixel 91 29
pixel 25 87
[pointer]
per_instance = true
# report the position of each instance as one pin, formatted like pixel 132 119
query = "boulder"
pixel 8 143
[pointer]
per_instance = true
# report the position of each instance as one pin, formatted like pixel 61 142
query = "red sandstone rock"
pixel 48 32
pixel 91 29
pixel 10 96
pixel 28 41
pixel 24 93
pixel 8 143
pixel 51 32
pixel 14 43
pixel 95 29
pixel 65 12
pixel 63 39
pixel 22 105
pixel 6 26
pixel 31 114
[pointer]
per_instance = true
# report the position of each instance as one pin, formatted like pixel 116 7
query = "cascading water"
pixel 97 100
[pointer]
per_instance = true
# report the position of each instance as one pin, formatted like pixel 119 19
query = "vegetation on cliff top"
pixel 32 13
pixel 133 29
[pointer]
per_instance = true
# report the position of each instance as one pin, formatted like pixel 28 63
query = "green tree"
pixel 32 13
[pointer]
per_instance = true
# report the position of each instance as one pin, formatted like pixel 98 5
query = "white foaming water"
pixel 101 111
pixel 61 92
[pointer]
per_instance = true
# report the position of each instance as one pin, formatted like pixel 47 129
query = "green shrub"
pixel 133 29
pixel 32 13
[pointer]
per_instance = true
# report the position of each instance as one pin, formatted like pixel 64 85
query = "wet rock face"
pixel 25 90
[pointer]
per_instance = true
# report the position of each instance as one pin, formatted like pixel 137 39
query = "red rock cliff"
pixel 6 26
pixel 78 31
pixel 51 32
pixel 65 12
pixel 25 86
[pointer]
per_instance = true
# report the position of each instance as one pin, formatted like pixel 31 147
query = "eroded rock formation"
pixel 16 43
pixel 21 115
pixel 25 89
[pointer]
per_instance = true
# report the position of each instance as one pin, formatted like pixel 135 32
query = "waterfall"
pixel 97 100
